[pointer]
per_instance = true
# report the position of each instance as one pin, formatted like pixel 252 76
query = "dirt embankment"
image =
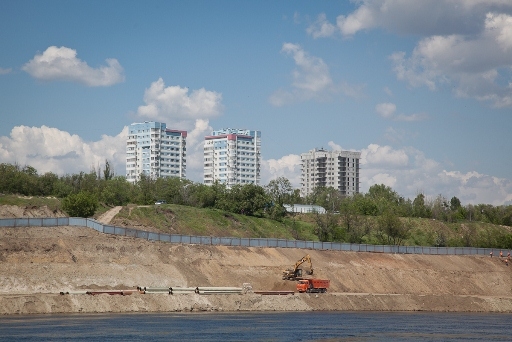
pixel 38 263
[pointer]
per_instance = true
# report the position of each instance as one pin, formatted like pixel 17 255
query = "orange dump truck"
pixel 313 285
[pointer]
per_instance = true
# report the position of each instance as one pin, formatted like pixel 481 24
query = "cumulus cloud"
pixel 473 65
pixel 310 80
pixel 321 27
pixel 61 63
pixel 176 104
pixel 186 110
pixel 52 150
pixel 288 166
pixel 466 45
pixel 195 149
pixel 4 71
pixel 424 18
pixel 387 111
pixel 384 156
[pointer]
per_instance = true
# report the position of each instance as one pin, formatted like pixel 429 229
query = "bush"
pixel 82 204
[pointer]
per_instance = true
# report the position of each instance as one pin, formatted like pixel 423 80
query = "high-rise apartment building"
pixel 232 156
pixel 155 151
pixel 337 169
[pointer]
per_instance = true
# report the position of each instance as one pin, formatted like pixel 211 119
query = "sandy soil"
pixel 37 263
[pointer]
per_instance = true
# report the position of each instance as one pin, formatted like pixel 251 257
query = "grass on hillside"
pixel 52 203
pixel 179 219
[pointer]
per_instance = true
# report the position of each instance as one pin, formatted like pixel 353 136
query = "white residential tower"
pixel 232 156
pixel 155 151
pixel 337 169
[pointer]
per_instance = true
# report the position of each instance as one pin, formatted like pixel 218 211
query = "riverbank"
pixel 75 303
pixel 38 263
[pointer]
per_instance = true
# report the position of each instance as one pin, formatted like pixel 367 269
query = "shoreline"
pixel 25 304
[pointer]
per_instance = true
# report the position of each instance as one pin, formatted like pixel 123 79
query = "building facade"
pixel 232 156
pixel 337 169
pixel 155 151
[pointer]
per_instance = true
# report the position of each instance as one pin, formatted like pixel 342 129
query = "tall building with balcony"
pixel 232 156
pixel 155 151
pixel 337 169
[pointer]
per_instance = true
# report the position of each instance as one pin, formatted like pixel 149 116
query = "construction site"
pixel 79 270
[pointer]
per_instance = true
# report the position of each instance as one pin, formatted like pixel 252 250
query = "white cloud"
pixel 334 146
pixel 321 27
pixel 288 166
pixel 52 150
pixel 384 156
pixel 195 144
pixel 312 73
pixel 61 63
pixel 472 65
pixel 310 80
pixel 466 45
pixel 4 71
pixel 174 104
pixel 386 110
pixel 181 109
pixel 423 18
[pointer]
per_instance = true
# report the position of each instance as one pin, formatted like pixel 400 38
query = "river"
pixel 282 326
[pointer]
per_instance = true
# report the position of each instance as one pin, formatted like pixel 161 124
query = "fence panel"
pixel 62 221
pixel 22 222
pixel 95 225
pixel 165 238
pixel 49 222
pixel 154 236
pixel 300 244
pixel 79 222
pixel 130 232
pixel 176 238
pixel 142 234
pixel 246 242
pixel 10 222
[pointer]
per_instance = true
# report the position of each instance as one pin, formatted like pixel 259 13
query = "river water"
pixel 296 326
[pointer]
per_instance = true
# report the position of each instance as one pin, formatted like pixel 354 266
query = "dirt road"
pixel 109 215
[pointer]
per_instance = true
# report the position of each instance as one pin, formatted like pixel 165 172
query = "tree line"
pixel 347 218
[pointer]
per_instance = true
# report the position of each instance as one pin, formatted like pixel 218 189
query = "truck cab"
pixel 313 285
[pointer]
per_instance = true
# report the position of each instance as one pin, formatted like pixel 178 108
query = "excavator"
pixel 295 273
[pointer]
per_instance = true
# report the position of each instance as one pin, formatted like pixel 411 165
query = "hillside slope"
pixel 38 263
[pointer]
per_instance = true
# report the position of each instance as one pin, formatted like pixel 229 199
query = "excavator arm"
pixel 295 272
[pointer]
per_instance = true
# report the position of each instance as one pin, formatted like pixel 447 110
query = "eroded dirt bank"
pixel 38 263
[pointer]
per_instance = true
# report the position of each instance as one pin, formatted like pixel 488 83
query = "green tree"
pixel 418 206
pixel 82 204
pixel 455 204
pixel 392 228
pixel 47 183
pixel 383 197
pixel 145 190
pixel 355 225
pixel 279 191
pixel 327 228
pixel 108 172
pixel 116 191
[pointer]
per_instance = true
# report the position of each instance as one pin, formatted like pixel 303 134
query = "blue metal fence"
pixel 233 241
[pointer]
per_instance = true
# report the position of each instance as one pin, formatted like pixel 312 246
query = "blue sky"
pixel 422 88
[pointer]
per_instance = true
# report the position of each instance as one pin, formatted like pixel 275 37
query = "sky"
pixel 423 89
